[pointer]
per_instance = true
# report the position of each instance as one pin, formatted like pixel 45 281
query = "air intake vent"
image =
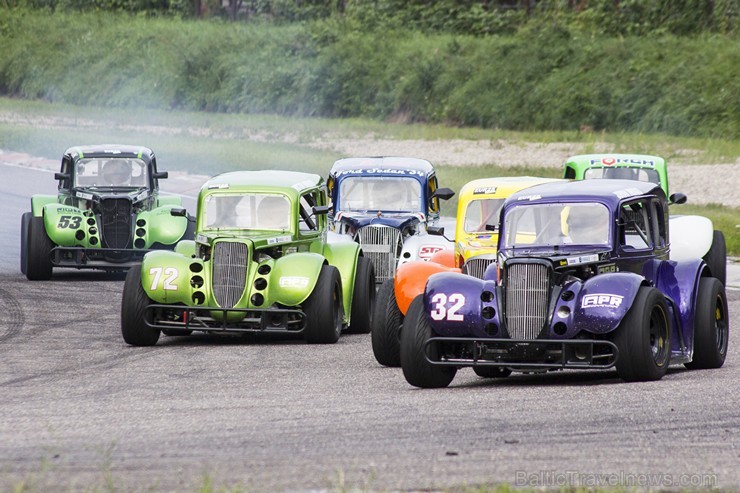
pixel 382 245
pixel 476 266
pixel 527 293
pixel 230 261
pixel 115 216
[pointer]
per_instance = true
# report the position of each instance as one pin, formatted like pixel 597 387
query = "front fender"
pixel 423 247
pixel 166 277
pixel 293 278
pixel 604 300
pixel 66 225
pixel 344 255
pixel 411 278
pixel 457 305
pixel 159 226
pixel 690 237
pixel 39 201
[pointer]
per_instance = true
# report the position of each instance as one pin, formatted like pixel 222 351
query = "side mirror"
pixel 321 209
pixel 161 175
pixel 437 231
pixel 677 198
pixel 443 193
pixel 178 212
pixel 62 176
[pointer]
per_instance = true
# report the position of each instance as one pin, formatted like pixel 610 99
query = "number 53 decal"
pixel 441 311
pixel 170 275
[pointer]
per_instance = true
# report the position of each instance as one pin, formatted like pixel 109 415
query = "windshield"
pixel 624 173
pixel 482 215
pixel 110 172
pixel 252 211
pixel 557 224
pixel 380 193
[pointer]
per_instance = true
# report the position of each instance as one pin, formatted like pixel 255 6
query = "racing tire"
pixel 189 233
pixel 323 308
pixel 415 333
pixel 134 303
pixel 25 223
pixel 363 298
pixel 716 257
pixel 387 322
pixel 643 338
pixel 491 371
pixel 38 259
pixel 711 325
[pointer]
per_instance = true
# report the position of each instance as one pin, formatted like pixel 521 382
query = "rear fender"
pixel 39 201
pixel 166 278
pixel 293 278
pixel 604 300
pixel 159 226
pixel 690 237
pixel 344 255
pixel 62 224
pixel 411 278
pixel 457 305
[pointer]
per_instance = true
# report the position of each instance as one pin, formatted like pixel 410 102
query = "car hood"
pixel 359 220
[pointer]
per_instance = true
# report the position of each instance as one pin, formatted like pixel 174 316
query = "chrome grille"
pixel 476 266
pixel 381 245
pixel 230 261
pixel 527 293
pixel 115 223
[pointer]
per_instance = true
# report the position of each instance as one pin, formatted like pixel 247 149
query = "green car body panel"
pixel 268 267
pixel 641 167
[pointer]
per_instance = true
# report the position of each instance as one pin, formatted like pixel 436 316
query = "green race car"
pixel 260 262
pixel 107 214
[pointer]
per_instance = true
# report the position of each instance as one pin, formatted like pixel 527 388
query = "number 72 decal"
pixel 441 311
pixel 170 275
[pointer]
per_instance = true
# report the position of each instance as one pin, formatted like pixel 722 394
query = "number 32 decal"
pixel 442 312
pixel 170 275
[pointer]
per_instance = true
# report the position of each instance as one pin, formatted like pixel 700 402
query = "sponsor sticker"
pixel 219 186
pixel 278 239
pixel 598 300
pixel 530 197
pixel 429 250
pixel 481 190
pixel 582 259
pixel 84 196
pixel 293 282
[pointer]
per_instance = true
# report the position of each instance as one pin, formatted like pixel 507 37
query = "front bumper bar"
pixel 255 320
pixel 96 258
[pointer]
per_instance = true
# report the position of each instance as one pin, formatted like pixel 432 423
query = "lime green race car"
pixel 107 214
pixel 260 262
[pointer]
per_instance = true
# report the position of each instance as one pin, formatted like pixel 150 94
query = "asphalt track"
pixel 81 409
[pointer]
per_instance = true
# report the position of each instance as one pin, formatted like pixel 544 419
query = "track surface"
pixel 80 408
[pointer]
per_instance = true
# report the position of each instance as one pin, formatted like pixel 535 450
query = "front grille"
pixel 477 266
pixel 229 260
pixel 115 223
pixel 527 289
pixel 382 245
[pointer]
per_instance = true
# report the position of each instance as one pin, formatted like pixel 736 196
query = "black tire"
pixel 363 298
pixel 491 371
pixel 134 302
pixel 387 321
pixel 189 233
pixel 716 257
pixel 25 224
pixel 415 332
pixel 643 338
pixel 323 308
pixel 711 325
pixel 39 244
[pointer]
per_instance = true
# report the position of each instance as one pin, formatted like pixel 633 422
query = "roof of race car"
pixel 616 160
pixel 363 164
pixel 110 150
pixel 499 187
pixel 263 180
pixel 610 192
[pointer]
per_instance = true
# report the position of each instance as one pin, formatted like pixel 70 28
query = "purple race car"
pixel 583 280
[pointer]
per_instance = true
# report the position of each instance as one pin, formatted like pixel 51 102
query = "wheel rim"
pixel 720 325
pixel 658 336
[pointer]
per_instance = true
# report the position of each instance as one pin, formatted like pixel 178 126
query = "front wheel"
pixel 387 321
pixel 716 257
pixel 323 308
pixel 711 325
pixel 134 303
pixel 643 338
pixel 416 331
pixel 38 257
pixel 363 298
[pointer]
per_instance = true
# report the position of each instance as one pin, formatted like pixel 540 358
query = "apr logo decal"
pixel 293 282
pixel 601 301
pixel 427 251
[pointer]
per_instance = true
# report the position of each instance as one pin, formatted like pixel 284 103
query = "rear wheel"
pixel 716 257
pixel 387 321
pixel 643 338
pixel 323 308
pixel 491 371
pixel 363 298
pixel 134 303
pixel 711 325
pixel 416 331
pixel 38 259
